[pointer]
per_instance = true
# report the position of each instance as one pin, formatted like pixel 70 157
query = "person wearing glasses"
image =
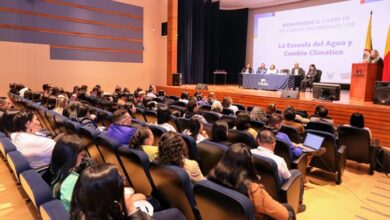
pixel 120 129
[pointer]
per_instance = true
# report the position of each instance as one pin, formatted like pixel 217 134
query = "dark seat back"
pixel 218 202
pixel 150 116
pixel 236 136
pixel 284 151
pixel 210 116
pixel 136 163
pixel 357 141
pixel 292 133
pixel 139 114
pixel 268 170
pixel 257 125
pixel 182 124
pixel 210 153
pixel 88 136
pixel 320 126
pixel 227 111
pixel 174 186
pixel 157 133
pixel 230 120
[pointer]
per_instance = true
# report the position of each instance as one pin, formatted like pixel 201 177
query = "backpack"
pixel 383 160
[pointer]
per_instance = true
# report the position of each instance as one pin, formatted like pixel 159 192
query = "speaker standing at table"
pixel 309 78
pixel 299 74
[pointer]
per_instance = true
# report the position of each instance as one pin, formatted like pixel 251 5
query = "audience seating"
pixel 236 136
pixel 288 192
pixel 227 111
pixel 230 120
pixel 358 145
pixel 104 118
pixel 72 127
pixel 139 114
pixel 240 107
pixel 218 202
pixel 108 148
pixel 179 103
pixel 205 108
pixel 334 159
pixel 157 133
pixel 192 149
pixel 18 163
pixel 174 186
pixel 320 126
pixel 257 125
pixel 6 145
pixel 292 133
pixel 136 163
pixel 88 136
pixel 283 150
pixel 150 116
pixel 182 124
pixel 210 153
pixel 54 210
pixel 60 122
pixel 180 109
pixel 210 116
pixel 175 98
pixel 50 118
pixel 35 187
pixel 208 128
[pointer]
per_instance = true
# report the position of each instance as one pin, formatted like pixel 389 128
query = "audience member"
pixel 36 148
pixel 289 119
pixel 172 150
pixel 322 116
pixel 184 97
pixel 258 114
pixel 228 103
pixel 217 107
pixel 5 104
pixel 192 110
pixel 143 140
pixel 84 117
pixel 357 120
pixel 152 92
pixel 211 98
pixel 243 124
pixel 66 158
pixel 271 108
pixel 163 118
pixel 236 171
pixel 196 129
pixel 120 129
pixel 219 132
pixel 266 141
pixel 100 193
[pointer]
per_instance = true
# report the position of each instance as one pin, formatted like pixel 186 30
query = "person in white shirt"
pixel 228 103
pixel 266 141
pixel 37 149
pixel 152 93
pixel 163 117
pixel 272 69
pixel 196 129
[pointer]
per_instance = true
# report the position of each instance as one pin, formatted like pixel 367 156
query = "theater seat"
pixel 139 114
pixel 6 146
pixel 210 153
pixel 292 133
pixel 257 125
pixel 136 163
pixel 334 159
pixel 35 187
pixel 150 116
pixel 182 124
pixel 288 192
pixel 72 127
pixel 157 133
pixel 320 126
pixel 236 136
pixel 218 202
pixel 18 163
pixel 88 136
pixel 54 210
pixel 192 149
pixel 283 150
pixel 358 145
pixel 210 116
pixel 174 186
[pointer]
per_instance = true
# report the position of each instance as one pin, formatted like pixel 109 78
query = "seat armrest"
pixel 342 155
pixel 291 190
pixel 301 163
pixel 342 149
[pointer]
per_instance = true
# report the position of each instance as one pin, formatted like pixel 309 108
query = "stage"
pixel 377 117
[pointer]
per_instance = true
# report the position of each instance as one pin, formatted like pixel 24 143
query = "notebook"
pixel 312 143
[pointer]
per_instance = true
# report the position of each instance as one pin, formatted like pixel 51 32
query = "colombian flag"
pixel 368 46
pixel 386 59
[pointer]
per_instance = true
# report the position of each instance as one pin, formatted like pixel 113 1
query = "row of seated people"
pixel 171 139
pixel 127 118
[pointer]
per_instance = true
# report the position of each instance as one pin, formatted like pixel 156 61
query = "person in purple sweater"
pixel 120 129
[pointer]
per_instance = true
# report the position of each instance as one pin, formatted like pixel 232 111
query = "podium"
pixel 363 79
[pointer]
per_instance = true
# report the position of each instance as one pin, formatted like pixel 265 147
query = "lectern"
pixel 363 79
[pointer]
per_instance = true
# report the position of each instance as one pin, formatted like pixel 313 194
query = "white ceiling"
pixel 237 4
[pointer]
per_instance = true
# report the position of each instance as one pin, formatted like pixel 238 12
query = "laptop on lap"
pixel 312 143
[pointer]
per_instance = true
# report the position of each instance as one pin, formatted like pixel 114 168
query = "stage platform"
pixel 377 117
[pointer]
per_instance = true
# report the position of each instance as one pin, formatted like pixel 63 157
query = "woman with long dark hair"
pixel 236 170
pixel 66 158
pixel 196 129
